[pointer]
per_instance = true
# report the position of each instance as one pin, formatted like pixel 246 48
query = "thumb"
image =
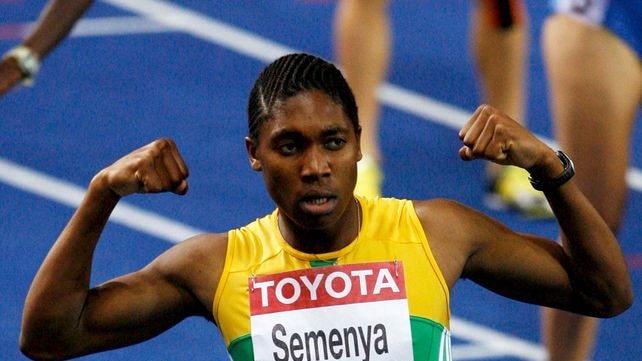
pixel 466 153
pixel 182 188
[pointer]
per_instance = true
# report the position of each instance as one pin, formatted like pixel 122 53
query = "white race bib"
pixel 347 312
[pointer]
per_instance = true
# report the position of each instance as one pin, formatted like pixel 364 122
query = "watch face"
pixel 30 64
pixel 27 61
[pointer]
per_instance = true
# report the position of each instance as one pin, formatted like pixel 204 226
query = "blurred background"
pixel 133 71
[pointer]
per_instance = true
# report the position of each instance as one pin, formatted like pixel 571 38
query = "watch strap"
pixel 567 174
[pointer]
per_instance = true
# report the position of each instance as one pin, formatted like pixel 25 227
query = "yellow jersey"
pixel 266 280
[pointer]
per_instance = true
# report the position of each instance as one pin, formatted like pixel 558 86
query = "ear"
pixel 358 135
pixel 251 148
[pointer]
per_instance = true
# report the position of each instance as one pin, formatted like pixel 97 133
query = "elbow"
pixel 620 304
pixel 32 352
pixel 35 349
pixel 615 303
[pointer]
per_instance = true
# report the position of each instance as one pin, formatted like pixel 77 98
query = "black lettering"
pixel 381 342
pixel 347 332
pixel 334 345
pixel 335 341
pixel 278 343
pixel 316 337
pixel 296 344
pixel 365 341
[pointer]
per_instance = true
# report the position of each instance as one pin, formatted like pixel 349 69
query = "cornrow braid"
pixel 290 75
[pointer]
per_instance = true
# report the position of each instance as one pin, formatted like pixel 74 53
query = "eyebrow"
pixel 288 133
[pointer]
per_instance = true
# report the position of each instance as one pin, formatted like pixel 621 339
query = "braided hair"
pixel 290 75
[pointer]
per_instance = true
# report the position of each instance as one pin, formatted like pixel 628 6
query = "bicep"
pixel 523 267
pixel 140 305
pixel 130 309
pixel 468 244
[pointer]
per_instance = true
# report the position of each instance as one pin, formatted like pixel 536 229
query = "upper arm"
pixel 469 244
pixel 137 306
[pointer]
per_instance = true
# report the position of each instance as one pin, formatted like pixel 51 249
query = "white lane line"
pixel 266 50
pixel 103 26
pixel 205 28
pixel 118 25
pixel 494 342
pixel 69 194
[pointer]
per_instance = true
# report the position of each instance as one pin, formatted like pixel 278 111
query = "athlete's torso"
pixel 276 303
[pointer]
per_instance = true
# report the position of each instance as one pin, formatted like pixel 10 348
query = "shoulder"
pixel 442 209
pixel 202 249
pixel 449 220
pixel 455 232
pixel 431 213
pixel 194 265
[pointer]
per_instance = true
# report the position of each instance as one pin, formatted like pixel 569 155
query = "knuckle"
pixel 477 150
pixel 159 146
pixel 152 151
pixel 165 143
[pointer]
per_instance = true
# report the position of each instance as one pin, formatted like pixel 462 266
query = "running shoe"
pixel 511 190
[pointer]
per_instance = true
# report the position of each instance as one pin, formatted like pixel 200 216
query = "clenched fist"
pixel 492 135
pixel 156 167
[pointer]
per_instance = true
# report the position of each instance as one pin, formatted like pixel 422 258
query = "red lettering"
pixel 325 286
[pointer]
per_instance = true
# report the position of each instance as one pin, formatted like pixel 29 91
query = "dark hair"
pixel 290 75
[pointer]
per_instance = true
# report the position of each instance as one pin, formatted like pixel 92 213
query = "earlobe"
pixel 255 163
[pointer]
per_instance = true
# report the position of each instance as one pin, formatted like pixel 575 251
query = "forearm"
pixel 598 271
pixel 54 23
pixel 58 293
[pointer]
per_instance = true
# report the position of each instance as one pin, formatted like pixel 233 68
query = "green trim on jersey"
pixel 241 349
pixel 425 331
pixel 321 263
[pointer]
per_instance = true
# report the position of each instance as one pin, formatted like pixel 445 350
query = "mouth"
pixel 318 205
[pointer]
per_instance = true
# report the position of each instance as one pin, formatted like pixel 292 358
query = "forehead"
pixel 307 112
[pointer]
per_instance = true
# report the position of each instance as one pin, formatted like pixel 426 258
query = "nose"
pixel 316 164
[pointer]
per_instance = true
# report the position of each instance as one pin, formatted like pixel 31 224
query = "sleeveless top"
pixel 382 297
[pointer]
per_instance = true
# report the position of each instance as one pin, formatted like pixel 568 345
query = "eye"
pixel 335 143
pixel 288 148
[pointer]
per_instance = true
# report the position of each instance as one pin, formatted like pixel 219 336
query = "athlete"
pixel 327 273
pixel 592 51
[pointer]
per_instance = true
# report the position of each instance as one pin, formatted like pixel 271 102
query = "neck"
pixel 323 240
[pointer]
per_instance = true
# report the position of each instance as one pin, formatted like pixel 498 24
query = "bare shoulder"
pixel 442 210
pixel 441 213
pixel 454 232
pixel 195 264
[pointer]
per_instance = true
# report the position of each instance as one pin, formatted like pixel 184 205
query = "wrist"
pixel 27 61
pixel 544 183
pixel 99 187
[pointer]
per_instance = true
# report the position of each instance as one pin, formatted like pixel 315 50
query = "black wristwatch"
pixel 548 184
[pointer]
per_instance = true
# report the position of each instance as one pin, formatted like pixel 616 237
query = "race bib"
pixel 347 312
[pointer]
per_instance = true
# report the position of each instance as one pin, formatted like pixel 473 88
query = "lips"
pixel 318 204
